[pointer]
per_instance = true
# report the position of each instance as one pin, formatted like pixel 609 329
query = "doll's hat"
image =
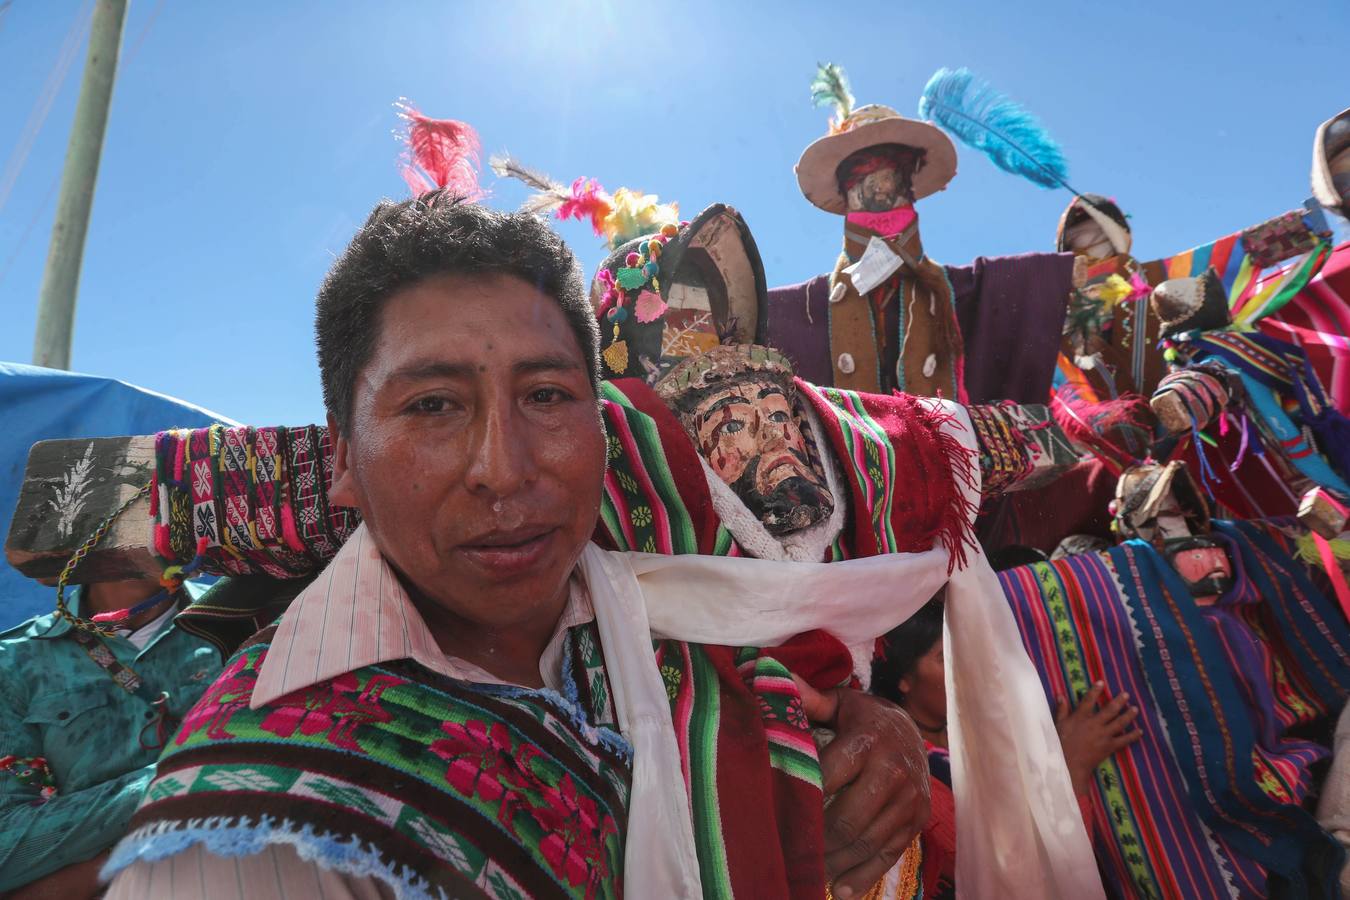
pixel 855 129
pixel 679 292
pixel 1331 163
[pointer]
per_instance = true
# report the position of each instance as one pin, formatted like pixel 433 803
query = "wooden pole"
pixel 61 280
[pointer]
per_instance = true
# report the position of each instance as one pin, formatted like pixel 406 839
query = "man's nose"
pixel 502 456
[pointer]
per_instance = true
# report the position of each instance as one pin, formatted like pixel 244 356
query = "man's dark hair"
pixel 900 648
pixel 435 234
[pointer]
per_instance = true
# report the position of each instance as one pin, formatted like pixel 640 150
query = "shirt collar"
pixel 357 614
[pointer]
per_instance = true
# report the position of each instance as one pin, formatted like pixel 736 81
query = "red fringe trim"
pixel 956 530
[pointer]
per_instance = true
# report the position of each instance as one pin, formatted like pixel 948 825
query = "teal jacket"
pixel 98 741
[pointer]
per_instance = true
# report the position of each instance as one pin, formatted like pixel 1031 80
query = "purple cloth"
pixel 1011 310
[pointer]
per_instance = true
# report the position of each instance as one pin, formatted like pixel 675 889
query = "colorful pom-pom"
pixel 620 314
pixel 1170 354
pixel 654 251
pixel 633 260
pixel 650 269
pixel 670 230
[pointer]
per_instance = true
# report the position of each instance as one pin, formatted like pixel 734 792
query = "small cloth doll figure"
pixel 1107 333
pixel 1163 506
pixel 892 318
pixel 1282 395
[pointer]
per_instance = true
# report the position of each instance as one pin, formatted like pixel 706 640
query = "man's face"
pixel 475 450
pixel 751 438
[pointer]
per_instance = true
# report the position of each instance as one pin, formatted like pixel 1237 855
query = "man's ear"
pixel 905 686
pixel 343 490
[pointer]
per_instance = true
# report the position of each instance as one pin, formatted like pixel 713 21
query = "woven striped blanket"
pixel 1207 803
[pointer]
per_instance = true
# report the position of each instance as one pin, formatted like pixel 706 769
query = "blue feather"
pixel 972 110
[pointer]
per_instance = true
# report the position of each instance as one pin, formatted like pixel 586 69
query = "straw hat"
pixel 870 126
pixel 1101 210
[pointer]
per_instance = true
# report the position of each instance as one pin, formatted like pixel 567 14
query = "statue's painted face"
pixel 1087 238
pixel 881 178
pixel 1203 564
pixel 1200 560
pixel 753 440
pixel 879 191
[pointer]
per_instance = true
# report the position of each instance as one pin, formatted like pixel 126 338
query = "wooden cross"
pixel 71 486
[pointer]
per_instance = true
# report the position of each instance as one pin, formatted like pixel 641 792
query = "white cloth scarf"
pixel 1019 832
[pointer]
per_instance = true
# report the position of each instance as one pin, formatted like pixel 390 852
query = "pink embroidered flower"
pixel 478 757
pixel 331 709
pixel 227 695
pixel 575 835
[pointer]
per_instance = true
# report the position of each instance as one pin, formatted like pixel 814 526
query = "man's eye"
pixel 778 417
pixel 547 396
pixel 732 427
pixel 429 405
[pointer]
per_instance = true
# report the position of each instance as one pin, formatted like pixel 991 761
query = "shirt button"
pixel 149 713
pixel 846 363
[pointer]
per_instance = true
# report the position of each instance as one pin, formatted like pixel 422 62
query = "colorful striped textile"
pixel 1258 279
pixel 1288 400
pixel 656 499
pixel 441 788
pixel 737 714
pixel 1206 804
pixel 1318 320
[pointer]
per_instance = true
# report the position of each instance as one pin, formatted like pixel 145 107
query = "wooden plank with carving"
pixel 69 487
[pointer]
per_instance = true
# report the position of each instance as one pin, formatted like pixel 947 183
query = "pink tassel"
pixel 289 531
pixel 441 154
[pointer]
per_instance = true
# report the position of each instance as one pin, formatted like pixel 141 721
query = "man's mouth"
pixel 509 552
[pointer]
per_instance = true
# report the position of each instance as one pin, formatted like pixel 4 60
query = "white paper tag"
pixel 877 263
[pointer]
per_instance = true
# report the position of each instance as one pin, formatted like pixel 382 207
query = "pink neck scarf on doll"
pixel 887 224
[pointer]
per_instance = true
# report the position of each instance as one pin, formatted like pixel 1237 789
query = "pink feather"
pixel 588 201
pixel 439 154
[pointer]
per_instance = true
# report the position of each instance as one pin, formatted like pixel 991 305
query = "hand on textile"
pixel 78 881
pixel 876 770
pixel 1090 735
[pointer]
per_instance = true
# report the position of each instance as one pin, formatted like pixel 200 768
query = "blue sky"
pixel 248 141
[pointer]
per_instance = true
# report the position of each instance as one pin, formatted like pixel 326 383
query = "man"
pixel 82 719
pixel 439 712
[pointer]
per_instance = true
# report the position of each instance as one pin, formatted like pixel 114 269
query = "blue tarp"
pixel 39 404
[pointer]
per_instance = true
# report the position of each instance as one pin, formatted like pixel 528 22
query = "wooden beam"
pixel 69 488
